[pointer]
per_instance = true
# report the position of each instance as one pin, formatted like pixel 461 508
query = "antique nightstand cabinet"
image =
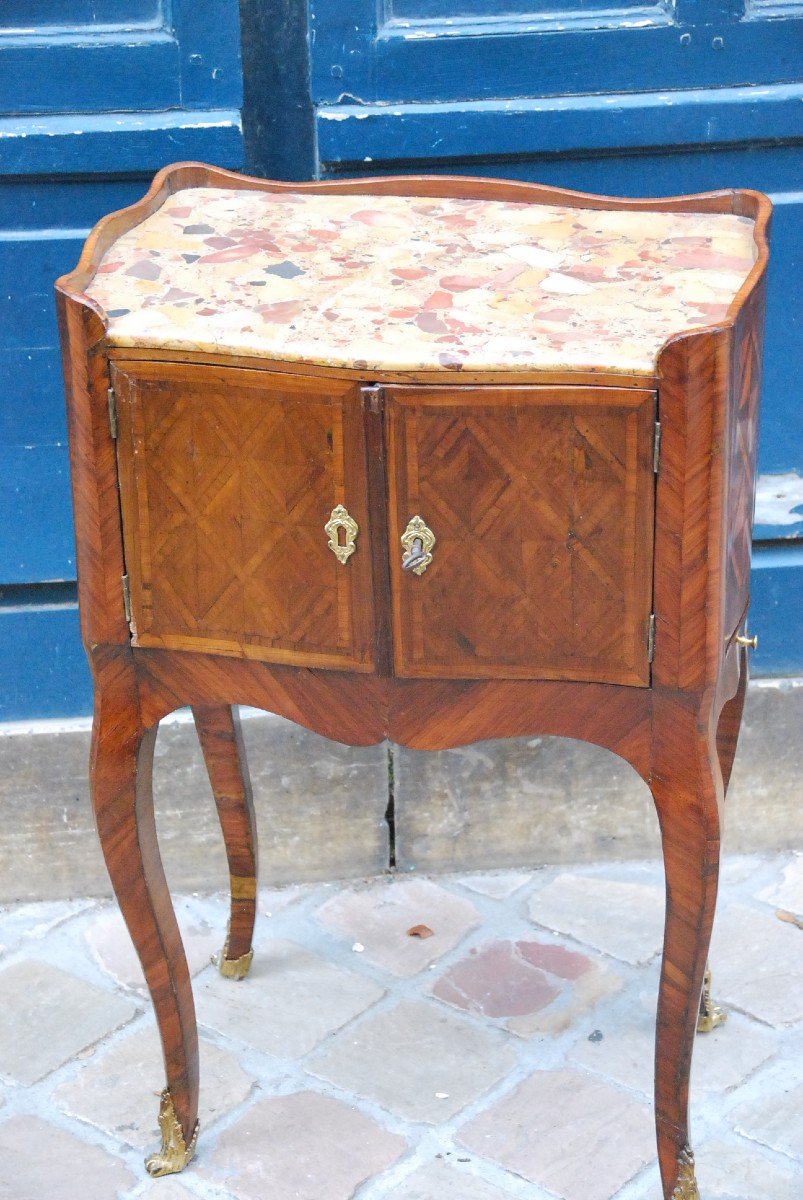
pixel 426 459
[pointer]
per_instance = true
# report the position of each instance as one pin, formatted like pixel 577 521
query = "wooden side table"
pixel 427 459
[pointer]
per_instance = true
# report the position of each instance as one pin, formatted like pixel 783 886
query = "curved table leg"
pixel 122 797
pixel 686 785
pixel 711 1015
pixel 224 754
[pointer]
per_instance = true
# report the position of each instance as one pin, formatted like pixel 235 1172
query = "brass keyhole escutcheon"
pixel 341 519
pixel 417 540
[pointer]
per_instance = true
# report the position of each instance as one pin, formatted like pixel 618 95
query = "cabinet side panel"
pixel 229 478
pixel 99 549
pixel 689 529
pixel 741 452
pixel 541 503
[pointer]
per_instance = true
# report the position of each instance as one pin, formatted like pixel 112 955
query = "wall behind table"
pixel 92 110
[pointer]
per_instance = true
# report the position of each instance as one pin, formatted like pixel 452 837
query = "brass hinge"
pixel 651 639
pixel 127 601
pixel 112 412
pixel 656 446
pixel 373 395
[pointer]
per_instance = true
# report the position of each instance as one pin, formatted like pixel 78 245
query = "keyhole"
pixel 341 536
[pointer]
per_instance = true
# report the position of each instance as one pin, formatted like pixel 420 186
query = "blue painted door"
pixel 434 51
pixel 94 97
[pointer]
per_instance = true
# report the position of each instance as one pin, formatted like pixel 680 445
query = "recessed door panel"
pixel 228 480
pixel 540 502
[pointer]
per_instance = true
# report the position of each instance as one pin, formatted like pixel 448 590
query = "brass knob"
pixel 750 643
pixel 417 540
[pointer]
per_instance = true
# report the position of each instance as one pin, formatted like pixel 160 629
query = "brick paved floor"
pixel 507 1055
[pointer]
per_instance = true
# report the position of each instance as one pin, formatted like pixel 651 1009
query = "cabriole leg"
pixel 122 797
pixel 730 721
pixel 224 754
pixel 686 785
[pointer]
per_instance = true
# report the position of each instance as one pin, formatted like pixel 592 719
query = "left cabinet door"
pixel 227 479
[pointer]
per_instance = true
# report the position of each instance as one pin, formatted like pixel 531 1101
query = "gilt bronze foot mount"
pixel 174 1153
pixel 711 1015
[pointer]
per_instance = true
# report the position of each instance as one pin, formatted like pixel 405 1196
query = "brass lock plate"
pixel 341 518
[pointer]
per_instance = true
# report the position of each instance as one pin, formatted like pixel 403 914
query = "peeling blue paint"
pixel 779 504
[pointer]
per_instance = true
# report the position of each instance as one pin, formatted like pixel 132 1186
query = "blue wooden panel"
pixel 21 16
pixel 28 267
pixel 779 493
pixel 362 53
pixel 113 71
pixel 436 13
pixel 31 401
pixel 43 669
pixel 779 504
pixel 776 610
pixel 183 54
pixel 781 426
pixel 774 169
pixel 50 203
pixel 37 542
pixel 208 34
pixel 350 134
pixel 109 143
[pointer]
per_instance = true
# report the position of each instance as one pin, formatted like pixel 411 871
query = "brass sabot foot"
pixel 711 1015
pixel 686 1187
pixel 174 1153
pixel 233 968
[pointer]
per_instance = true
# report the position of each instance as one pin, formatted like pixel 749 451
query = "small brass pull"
pixel 342 519
pixel 417 540
pixel 750 643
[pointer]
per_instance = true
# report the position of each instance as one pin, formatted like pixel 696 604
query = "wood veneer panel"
pixel 278 366
pixel 541 501
pixel 422 714
pixel 340 705
pixel 93 476
pixel 689 533
pixel 741 450
pixel 226 486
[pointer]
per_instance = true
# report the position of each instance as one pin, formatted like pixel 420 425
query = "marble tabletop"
pixel 413 283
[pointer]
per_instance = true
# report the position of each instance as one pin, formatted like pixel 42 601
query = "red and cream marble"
pixel 411 283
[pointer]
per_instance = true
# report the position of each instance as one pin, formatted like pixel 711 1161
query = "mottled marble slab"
pixel 412 283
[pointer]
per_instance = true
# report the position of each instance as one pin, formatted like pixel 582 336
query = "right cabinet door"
pixel 541 504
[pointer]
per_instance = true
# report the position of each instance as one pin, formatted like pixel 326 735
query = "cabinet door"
pixel 228 478
pixel 541 503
